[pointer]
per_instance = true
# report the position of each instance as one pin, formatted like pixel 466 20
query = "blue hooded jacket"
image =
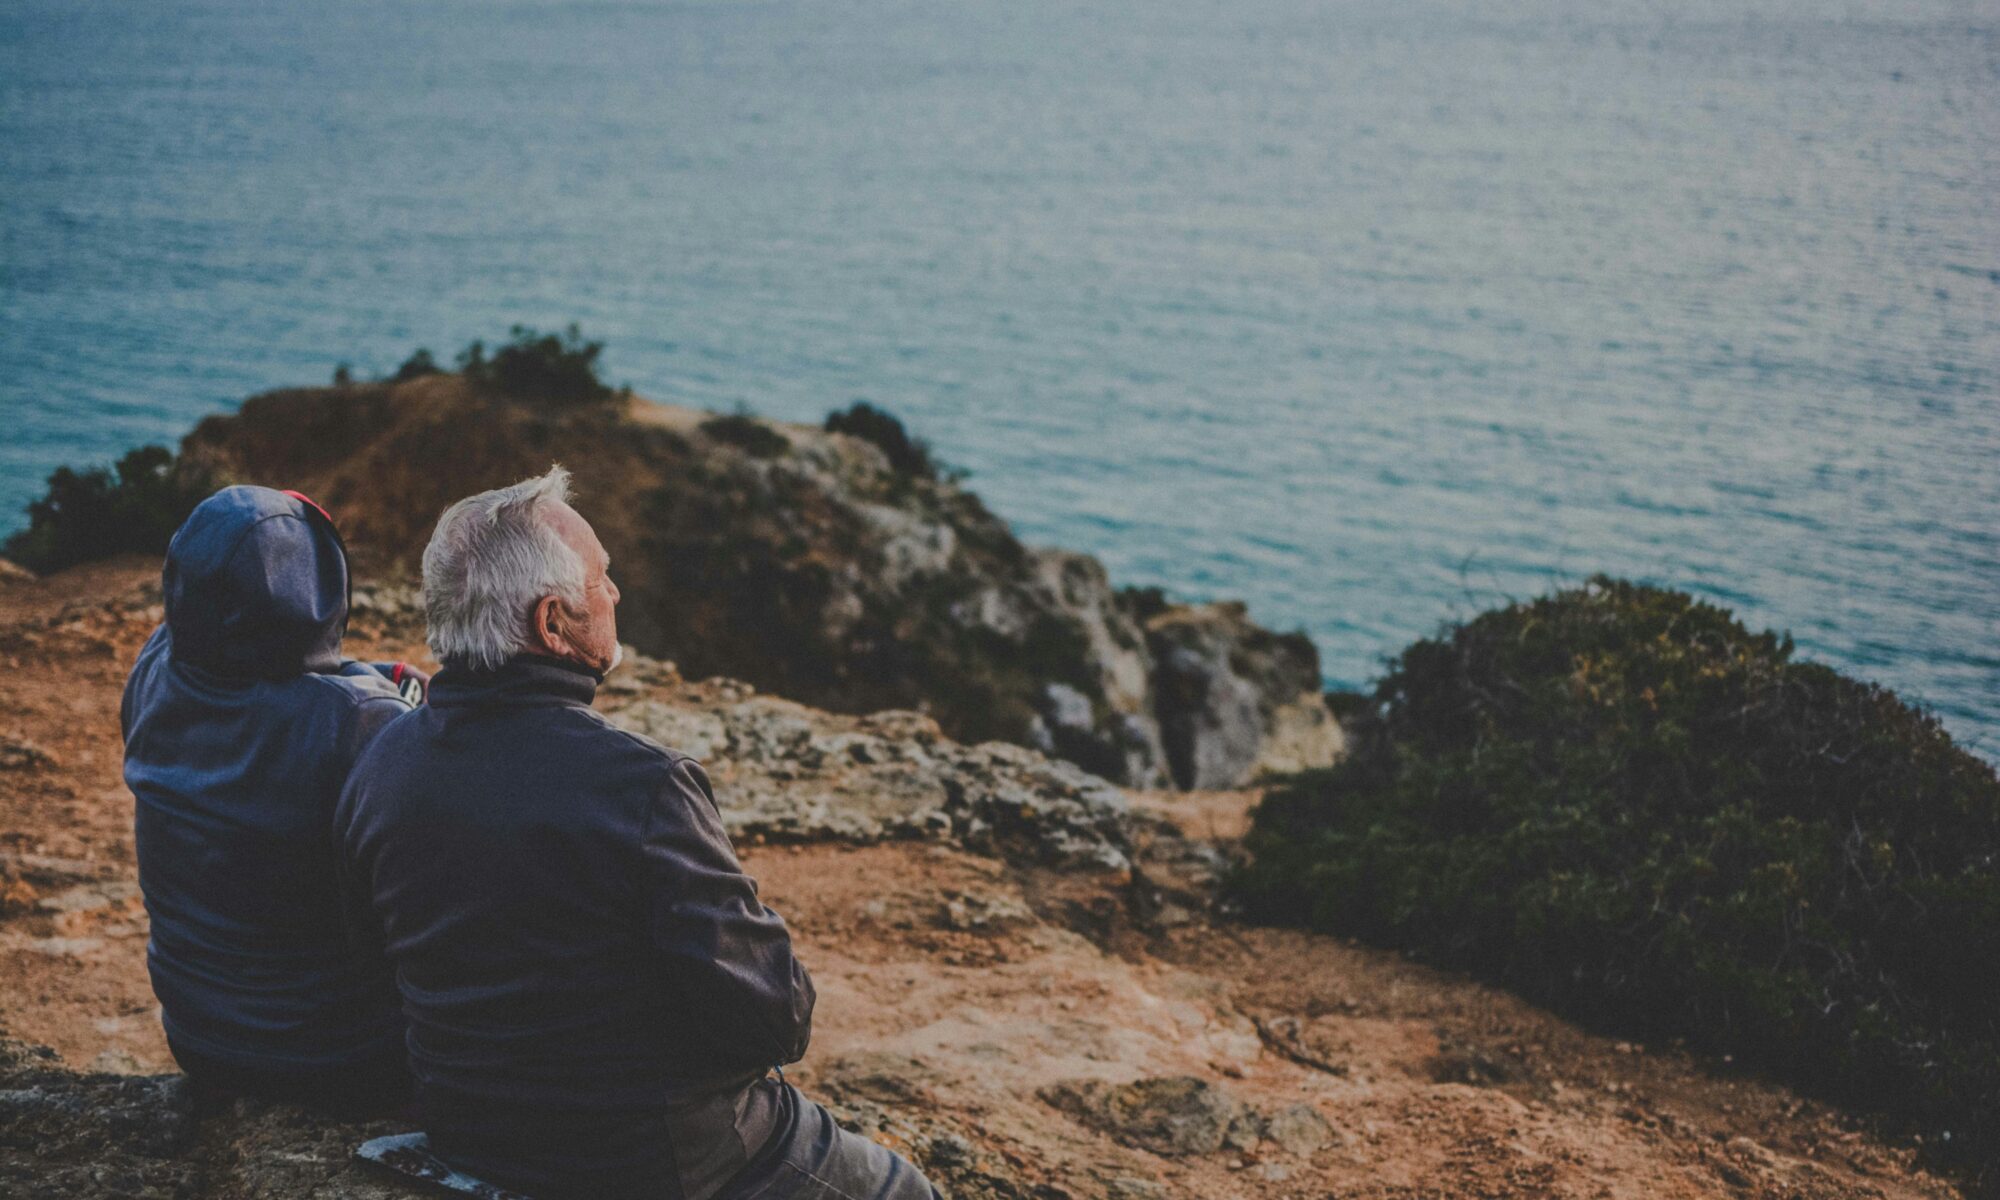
pixel 241 720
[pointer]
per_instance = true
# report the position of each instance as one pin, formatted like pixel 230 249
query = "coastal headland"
pixel 843 570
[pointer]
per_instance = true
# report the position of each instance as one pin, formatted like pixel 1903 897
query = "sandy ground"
pixel 959 993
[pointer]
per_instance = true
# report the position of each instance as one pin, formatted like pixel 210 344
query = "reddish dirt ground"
pixel 957 990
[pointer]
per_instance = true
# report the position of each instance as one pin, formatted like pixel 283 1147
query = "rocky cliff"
pixel 817 565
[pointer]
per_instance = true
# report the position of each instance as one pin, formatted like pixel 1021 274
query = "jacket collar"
pixel 525 681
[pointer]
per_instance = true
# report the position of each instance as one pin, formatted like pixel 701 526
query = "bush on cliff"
pixel 551 368
pixel 1622 802
pixel 907 455
pixel 417 366
pixel 748 434
pixel 95 513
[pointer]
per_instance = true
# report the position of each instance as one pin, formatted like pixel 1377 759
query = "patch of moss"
pixel 1623 803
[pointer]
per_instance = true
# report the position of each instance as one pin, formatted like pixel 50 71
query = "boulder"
pixel 1234 699
pixel 1300 1130
pixel 786 772
pixel 1173 1116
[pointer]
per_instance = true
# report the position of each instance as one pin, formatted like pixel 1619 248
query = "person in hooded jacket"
pixel 241 719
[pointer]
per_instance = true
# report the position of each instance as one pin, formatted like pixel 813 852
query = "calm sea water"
pixel 1372 313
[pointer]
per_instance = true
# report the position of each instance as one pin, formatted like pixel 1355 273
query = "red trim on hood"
pixel 302 498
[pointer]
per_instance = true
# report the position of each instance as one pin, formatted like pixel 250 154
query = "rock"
pixel 1233 698
pixel 698 734
pixel 13 573
pixel 95 1136
pixel 1299 1130
pixel 116 1061
pixel 1303 1043
pixel 971 912
pixel 17 895
pixel 1173 1116
pixel 877 1076
pixel 19 754
pixel 1299 736
pixel 69 1136
pixel 1066 708
pixel 1474 1066
pixel 1211 725
pixel 788 772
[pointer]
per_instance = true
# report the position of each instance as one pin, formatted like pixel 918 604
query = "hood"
pixel 256 586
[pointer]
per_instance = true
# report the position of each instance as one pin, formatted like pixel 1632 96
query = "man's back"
pixel 592 985
pixel 240 722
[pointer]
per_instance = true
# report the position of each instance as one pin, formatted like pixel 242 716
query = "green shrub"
pixel 907 455
pixel 747 434
pixel 1143 603
pixel 419 365
pixel 546 367
pixel 1620 802
pixel 95 513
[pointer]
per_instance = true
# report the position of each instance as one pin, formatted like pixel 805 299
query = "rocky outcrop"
pixel 785 772
pixel 813 565
pixel 1234 699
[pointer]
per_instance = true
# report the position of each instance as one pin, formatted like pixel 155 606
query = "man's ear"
pixel 550 628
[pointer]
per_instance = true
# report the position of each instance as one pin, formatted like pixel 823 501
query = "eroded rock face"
pixel 1234 699
pixel 786 772
pixel 807 563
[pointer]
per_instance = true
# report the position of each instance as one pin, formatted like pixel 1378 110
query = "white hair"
pixel 491 560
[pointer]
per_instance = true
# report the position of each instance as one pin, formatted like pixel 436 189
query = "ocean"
pixel 1374 314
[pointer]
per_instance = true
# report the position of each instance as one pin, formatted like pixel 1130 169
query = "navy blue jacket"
pixel 592 984
pixel 241 721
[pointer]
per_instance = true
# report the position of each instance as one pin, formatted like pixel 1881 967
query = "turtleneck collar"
pixel 524 681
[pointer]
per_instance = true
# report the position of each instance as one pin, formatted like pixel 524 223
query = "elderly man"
pixel 595 993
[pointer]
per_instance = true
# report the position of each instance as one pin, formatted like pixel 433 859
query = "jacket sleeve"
pixel 728 956
pixel 363 927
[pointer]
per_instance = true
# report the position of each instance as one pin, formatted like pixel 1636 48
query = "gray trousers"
pixel 812 1158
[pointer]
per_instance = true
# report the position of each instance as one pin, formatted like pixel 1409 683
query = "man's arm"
pixel 730 957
